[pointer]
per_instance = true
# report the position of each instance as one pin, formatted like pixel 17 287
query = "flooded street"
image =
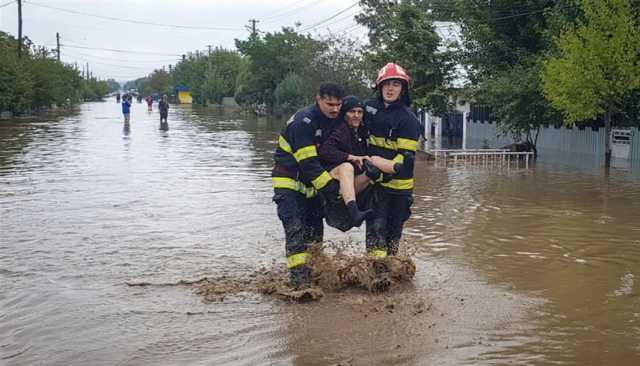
pixel 514 266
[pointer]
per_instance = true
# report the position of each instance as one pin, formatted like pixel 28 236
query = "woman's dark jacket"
pixel 342 142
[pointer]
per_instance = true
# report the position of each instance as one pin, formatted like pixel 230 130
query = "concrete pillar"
pixel 437 138
pixel 427 131
pixel 465 118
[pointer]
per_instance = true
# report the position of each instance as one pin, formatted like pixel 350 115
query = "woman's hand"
pixel 358 160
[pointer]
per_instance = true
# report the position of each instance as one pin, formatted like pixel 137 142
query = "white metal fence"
pixel 575 141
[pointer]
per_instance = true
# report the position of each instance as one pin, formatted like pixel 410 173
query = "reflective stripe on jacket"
pixel 297 165
pixel 393 131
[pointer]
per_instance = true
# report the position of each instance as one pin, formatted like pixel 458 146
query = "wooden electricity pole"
pixel 253 26
pixel 19 28
pixel 58 45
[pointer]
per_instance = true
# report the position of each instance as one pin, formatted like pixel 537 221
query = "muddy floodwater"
pixel 107 237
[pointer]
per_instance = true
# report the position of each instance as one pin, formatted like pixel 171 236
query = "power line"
pixel 107 64
pixel 7 4
pixel 283 10
pixel 341 19
pixel 133 20
pixel 123 51
pixel 123 60
pixel 350 28
pixel 273 19
pixel 329 18
pixel 94 58
pixel 519 14
pixel 271 14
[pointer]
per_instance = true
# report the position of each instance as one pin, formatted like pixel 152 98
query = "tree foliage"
pixel 516 99
pixel 403 32
pixel 39 80
pixel 274 56
pixel 341 61
pixel 598 62
pixel 502 44
pixel 292 92
pixel 112 85
pixel 209 77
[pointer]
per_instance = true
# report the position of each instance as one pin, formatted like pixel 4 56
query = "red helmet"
pixel 392 71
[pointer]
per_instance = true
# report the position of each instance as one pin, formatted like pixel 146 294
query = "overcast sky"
pixel 188 25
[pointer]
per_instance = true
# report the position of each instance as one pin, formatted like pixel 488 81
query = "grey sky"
pixel 41 22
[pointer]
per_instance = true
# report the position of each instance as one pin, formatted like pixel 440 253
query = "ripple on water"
pixel 84 211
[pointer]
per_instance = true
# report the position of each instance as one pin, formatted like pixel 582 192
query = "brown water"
pixel 514 266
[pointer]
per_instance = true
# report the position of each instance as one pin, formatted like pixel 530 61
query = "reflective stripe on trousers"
pixel 301 219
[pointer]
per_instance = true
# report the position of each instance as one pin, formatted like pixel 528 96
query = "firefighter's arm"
pixel 304 151
pixel 407 140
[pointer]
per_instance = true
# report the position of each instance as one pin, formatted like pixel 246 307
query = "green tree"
pixel 505 33
pixel 113 85
pixel 404 32
pixel 597 66
pixel 16 83
pixel 37 79
pixel 516 99
pixel 292 93
pixel 209 77
pixel 502 43
pixel 341 61
pixel 93 89
pixel 273 57
pixel 159 81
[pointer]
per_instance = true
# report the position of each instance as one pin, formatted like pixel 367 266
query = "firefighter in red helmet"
pixel 394 132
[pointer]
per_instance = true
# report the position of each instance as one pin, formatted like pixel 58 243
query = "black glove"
pixel 409 159
pixel 371 171
pixel 331 191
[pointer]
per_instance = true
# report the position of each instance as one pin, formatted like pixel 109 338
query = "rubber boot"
pixel 382 280
pixel 371 171
pixel 356 215
pixel 300 277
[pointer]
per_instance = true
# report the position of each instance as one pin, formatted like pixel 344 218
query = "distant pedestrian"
pixel 163 106
pixel 118 97
pixel 149 103
pixel 126 108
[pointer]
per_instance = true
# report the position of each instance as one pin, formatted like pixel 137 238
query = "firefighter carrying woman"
pixel 327 154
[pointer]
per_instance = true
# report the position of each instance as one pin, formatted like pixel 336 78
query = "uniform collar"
pixel 321 118
pixel 395 105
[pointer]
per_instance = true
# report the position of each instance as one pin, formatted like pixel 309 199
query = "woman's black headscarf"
pixel 348 103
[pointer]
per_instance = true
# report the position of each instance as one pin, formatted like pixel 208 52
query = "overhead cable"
pixel 290 13
pixel 123 60
pixel 122 51
pixel 329 18
pixel 7 4
pixel 133 20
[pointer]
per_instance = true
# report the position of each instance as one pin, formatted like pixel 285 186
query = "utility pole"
pixel 87 71
pixel 206 98
pixel 58 45
pixel 19 28
pixel 253 26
